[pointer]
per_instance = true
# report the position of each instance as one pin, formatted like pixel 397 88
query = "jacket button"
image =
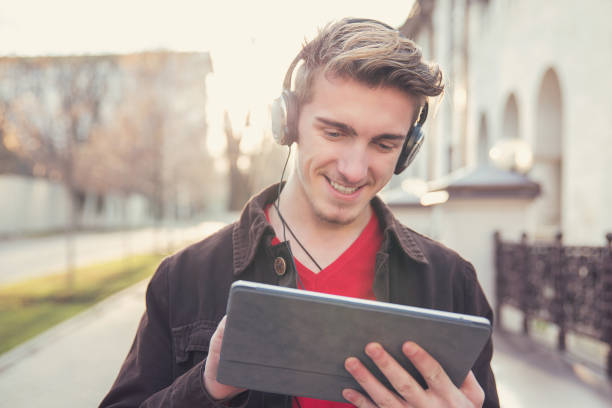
pixel 280 267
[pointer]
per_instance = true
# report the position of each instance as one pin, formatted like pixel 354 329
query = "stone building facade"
pixel 535 71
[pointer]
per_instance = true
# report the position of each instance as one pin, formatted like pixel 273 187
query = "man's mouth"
pixel 341 188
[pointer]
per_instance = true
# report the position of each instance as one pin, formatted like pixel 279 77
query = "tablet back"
pixel 294 342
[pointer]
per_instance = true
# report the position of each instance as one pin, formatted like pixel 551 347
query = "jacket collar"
pixel 253 227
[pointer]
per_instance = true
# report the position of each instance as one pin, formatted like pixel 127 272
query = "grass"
pixel 30 307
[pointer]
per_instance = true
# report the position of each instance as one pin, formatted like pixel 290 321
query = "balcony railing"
pixel 569 286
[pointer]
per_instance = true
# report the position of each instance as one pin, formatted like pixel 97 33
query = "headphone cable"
pixel 296 238
pixel 280 185
pixel 276 204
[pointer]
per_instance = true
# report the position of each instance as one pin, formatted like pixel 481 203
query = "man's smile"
pixel 341 188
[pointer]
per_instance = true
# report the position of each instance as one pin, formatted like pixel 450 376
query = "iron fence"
pixel 569 286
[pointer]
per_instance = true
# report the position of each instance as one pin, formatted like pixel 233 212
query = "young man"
pixel 360 91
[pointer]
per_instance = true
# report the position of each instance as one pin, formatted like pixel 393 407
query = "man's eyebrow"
pixel 389 136
pixel 338 125
pixel 349 130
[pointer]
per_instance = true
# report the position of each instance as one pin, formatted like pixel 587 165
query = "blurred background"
pixel 129 129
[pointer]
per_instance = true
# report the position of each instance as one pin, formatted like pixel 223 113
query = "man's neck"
pixel 325 241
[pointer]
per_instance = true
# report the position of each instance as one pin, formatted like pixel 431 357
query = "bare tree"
pixel 111 124
pixel 54 109
pixel 240 186
pixel 10 162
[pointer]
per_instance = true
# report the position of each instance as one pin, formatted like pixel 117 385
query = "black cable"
pixel 280 184
pixel 298 280
pixel 296 238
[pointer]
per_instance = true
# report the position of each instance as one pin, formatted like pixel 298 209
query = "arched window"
pixel 548 148
pixel 510 129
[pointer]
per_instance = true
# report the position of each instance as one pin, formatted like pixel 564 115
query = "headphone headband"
pixel 289 74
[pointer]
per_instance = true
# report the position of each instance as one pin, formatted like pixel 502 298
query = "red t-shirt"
pixel 351 274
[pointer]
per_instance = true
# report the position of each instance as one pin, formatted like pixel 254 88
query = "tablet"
pixel 294 342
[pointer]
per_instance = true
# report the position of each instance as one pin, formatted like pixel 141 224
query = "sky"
pixel 251 42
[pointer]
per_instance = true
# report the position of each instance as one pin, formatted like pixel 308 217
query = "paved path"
pixel 532 375
pixel 75 363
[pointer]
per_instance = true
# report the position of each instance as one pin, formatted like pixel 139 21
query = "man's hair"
pixel 369 52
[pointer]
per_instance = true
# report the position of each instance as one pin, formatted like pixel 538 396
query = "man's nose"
pixel 353 164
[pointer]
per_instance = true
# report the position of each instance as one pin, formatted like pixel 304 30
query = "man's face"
pixel 350 136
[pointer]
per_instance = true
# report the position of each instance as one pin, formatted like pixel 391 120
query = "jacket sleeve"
pixel 146 377
pixel 476 303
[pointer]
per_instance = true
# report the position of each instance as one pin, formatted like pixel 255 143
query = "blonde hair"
pixel 370 52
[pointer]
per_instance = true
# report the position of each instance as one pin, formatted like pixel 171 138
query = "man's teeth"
pixel 343 189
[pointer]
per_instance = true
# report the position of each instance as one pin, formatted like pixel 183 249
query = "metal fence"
pixel 569 286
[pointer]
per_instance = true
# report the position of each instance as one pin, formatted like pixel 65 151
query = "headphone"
pixel 284 111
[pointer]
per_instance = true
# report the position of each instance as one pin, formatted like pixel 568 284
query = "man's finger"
pixel 214 352
pixel 378 393
pixel 357 399
pixel 215 388
pixel 472 390
pixel 430 369
pixel 217 338
pixel 405 385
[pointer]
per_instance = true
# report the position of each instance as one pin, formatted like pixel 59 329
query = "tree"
pixel 53 108
pixel 240 187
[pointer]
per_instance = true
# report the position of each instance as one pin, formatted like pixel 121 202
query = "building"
pixel 535 71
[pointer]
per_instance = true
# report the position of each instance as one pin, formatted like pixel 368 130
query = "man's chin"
pixel 337 218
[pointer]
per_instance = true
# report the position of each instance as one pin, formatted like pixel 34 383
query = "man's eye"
pixel 332 133
pixel 386 146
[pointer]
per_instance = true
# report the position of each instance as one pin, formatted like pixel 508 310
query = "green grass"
pixel 30 307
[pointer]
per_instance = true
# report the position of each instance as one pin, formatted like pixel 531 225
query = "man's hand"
pixel 441 392
pixel 215 389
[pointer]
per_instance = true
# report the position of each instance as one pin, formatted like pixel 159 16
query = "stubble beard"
pixel 337 220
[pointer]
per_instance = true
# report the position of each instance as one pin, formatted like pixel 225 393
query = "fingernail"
pixel 350 363
pixel 410 348
pixel 373 350
pixel 349 394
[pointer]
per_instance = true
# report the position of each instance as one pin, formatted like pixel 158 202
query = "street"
pixel 24 258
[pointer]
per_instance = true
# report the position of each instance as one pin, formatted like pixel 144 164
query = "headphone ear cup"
pixel 291 102
pixel 411 147
pixel 284 118
pixel 278 116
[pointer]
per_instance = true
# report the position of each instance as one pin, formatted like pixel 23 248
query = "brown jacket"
pixel 187 296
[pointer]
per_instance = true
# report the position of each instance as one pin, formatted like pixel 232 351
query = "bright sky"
pixel 251 42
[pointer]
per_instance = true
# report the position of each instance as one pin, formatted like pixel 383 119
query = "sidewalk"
pixel 75 363
pixel 532 375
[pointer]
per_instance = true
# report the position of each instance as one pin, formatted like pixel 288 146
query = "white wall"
pixel 512 44
pixel 467 226
pixel 31 205
pixel 39 205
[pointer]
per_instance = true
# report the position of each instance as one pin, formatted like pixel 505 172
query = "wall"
pixel 512 44
pixel 34 205
pixel 31 205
